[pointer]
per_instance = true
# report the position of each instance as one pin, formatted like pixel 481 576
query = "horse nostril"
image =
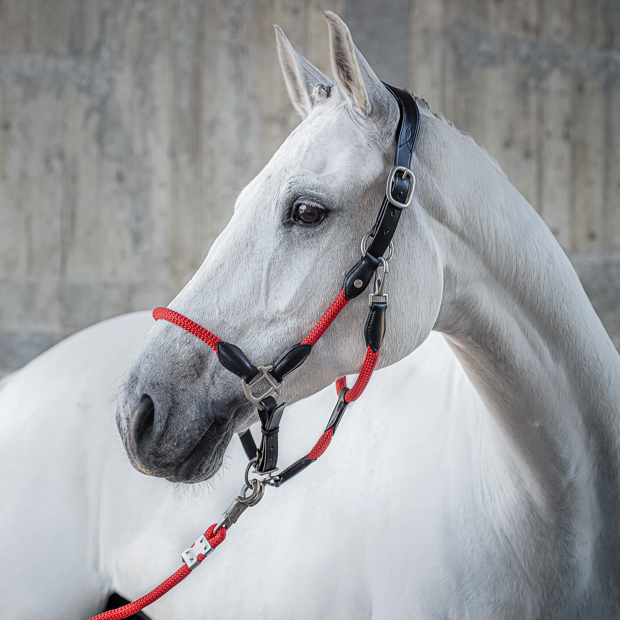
pixel 144 419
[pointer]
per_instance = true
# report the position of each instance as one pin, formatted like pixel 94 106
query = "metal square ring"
pixel 274 387
pixel 390 182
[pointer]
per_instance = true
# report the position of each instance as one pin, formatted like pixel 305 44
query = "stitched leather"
pixel 406 137
pixel 363 270
pixel 234 359
pixel 270 418
pixel 292 470
pixel 290 360
pixel 375 325
pixel 389 215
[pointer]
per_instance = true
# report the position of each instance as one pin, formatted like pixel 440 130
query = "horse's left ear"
pixel 355 78
pixel 301 77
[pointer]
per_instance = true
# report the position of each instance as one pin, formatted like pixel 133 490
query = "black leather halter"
pixel 398 196
pixel 399 191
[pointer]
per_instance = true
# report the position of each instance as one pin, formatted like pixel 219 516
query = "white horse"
pixel 434 501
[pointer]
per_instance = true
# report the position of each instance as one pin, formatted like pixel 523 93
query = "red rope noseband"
pixel 189 326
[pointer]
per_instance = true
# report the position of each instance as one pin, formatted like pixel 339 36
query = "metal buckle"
pixel 200 547
pixel 390 182
pixel 274 387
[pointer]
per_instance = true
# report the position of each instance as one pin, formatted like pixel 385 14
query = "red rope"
pixel 326 320
pixel 133 608
pixel 363 378
pixel 321 445
pixel 193 328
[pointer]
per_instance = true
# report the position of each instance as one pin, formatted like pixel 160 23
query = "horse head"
pixel 277 266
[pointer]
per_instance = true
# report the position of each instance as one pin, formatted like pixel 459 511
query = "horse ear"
pixel 300 76
pixel 355 77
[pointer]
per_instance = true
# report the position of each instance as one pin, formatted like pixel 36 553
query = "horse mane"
pixel 425 108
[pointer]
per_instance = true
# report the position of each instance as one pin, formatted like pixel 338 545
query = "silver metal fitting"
pixel 364 246
pixel 274 387
pixel 200 547
pixel 251 493
pixel 379 295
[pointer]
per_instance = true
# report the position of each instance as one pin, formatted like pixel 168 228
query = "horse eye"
pixel 308 214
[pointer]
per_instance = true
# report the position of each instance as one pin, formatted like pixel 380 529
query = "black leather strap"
pixel 290 360
pixel 248 443
pixel 270 417
pixel 234 359
pixel 358 278
pixel 389 214
pixel 375 325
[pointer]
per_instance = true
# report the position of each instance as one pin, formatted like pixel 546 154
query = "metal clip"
pixel 274 387
pixel 237 507
pixel 251 493
pixel 200 547
pixel 378 295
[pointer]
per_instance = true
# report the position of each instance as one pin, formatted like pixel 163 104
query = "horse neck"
pixel 519 321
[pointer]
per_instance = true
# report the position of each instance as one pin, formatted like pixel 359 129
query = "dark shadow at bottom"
pixel 116 600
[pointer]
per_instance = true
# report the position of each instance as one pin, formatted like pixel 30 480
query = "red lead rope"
pixel 321 445
pixel 138 605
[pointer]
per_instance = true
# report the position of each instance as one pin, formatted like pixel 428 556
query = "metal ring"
pixel 258 490
pixel 364 249
pixel 248 482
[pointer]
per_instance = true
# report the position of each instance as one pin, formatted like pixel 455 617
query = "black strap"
pixel 234 359
pixel 290 360
pixel 270 417
pixel 355 282
pixel 389 214
pixel 248 443
pixel 374 329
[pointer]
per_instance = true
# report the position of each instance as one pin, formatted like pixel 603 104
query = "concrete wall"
pixel 127 127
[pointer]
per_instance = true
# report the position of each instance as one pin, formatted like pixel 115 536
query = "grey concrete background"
pixel 127 127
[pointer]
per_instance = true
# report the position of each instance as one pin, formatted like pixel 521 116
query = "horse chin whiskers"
pixel 206 457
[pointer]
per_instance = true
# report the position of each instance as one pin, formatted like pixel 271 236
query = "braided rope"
pixel 326 320
pixel 321 445
pixel 363 378
pixel 189 326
